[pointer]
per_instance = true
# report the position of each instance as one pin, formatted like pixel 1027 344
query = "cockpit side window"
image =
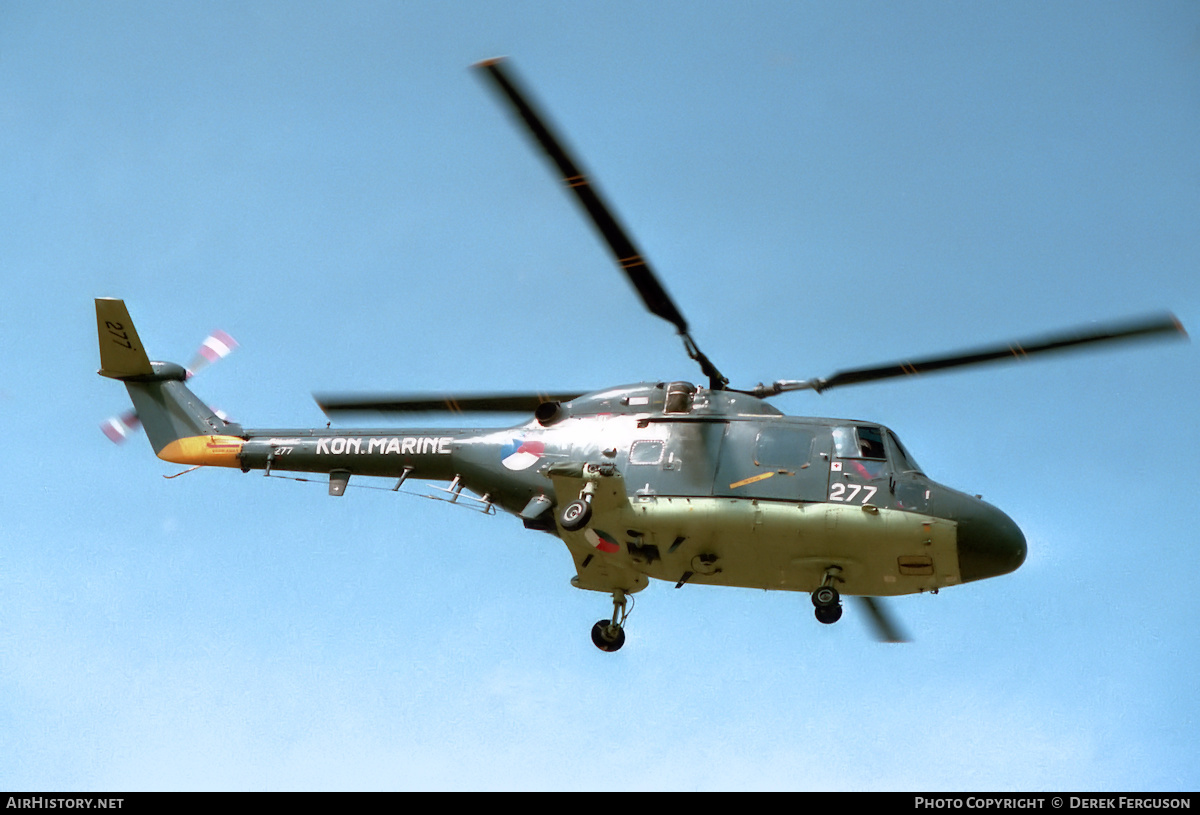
pixel 862 441
pixel 870 442
pixel 860 451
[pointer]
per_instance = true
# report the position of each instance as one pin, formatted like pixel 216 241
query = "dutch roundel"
pixel 601 540
pixel 520 454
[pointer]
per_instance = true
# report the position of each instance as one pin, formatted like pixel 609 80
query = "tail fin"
pixel 121 351
pixel 181 428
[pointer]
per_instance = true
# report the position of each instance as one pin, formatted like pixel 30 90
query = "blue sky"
pixel 819 186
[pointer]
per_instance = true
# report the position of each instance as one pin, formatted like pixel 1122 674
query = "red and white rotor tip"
pixel 119 428
pixel 216 346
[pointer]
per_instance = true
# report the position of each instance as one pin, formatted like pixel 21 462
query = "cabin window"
pixel 783 448
pixel 646 452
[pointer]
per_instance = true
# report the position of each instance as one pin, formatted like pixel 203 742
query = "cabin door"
pixel 774 460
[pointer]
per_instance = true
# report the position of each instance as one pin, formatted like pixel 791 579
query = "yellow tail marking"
pixel 204 451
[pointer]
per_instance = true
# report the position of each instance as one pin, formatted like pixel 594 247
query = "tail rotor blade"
pixel 216 346
pixel 119 428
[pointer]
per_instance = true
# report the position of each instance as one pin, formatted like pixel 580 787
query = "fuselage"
pixel 714 473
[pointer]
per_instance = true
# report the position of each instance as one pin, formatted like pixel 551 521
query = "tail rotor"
pixel 216 347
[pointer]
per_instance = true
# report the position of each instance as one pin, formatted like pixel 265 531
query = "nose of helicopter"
pixel 989 542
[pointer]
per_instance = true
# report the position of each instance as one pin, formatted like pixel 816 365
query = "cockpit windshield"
pixel 904 462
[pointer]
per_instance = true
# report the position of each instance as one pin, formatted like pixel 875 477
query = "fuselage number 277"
pixel 862 493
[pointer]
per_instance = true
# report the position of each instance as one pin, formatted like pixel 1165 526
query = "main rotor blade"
pixel 627 255
pixel 882 624
pixel 438 403
pixel 1159 326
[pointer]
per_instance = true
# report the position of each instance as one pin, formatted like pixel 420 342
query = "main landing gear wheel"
pixel 827 605
pixel 576 515
pixel 606 636
pixel 609 635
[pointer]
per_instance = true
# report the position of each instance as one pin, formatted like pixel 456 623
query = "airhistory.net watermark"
pixel 46 802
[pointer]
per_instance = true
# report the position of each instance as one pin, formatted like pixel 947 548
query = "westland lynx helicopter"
pixel 688 484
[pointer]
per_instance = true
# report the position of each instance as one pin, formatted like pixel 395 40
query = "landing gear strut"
pixel 609 635
pixel 827 603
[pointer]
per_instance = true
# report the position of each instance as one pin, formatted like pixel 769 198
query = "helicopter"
pixel 689 484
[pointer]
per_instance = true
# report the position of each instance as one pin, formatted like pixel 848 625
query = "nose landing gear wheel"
pixel 606 636
pixel 826 596
pixel 828 614
pixel 827 605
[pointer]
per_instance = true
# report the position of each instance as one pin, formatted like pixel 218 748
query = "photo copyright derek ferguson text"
pixel 1053 802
